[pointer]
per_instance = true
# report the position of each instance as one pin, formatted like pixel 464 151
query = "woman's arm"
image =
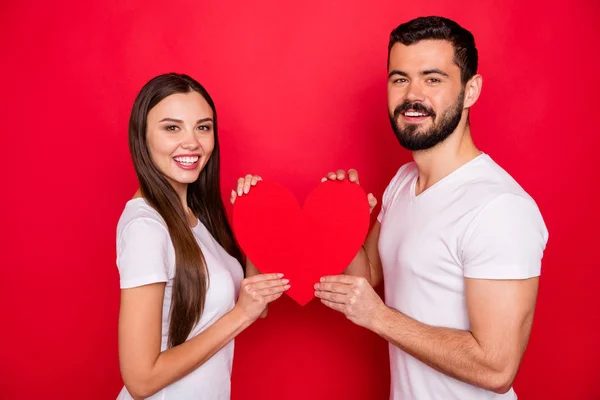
pixel 145 369
pixel 251 270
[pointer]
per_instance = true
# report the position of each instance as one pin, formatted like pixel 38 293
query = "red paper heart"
pixel 306 243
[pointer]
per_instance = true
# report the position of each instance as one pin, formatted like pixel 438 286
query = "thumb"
pixel 372 201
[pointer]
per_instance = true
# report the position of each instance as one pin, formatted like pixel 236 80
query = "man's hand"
pixel 354 297
pixel 340 175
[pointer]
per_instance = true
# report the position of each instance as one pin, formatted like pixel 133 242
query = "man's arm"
pixel 487 356
pixel 501 254
pixel 367 264
pixel 490 353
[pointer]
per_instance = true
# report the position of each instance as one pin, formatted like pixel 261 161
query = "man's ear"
pixel 472 90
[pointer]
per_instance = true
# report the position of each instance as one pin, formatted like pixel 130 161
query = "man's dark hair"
pixel 440 28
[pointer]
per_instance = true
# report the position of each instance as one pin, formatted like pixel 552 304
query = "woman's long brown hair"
pixel 203 196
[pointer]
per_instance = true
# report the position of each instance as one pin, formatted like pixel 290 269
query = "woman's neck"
pixel 182 194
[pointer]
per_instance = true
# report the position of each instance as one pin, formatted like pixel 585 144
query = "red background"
pixel 300 90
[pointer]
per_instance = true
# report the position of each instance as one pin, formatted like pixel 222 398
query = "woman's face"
pixel 180 136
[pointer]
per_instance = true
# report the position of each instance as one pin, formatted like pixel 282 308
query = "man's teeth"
pixel 186 160
pixel 414 114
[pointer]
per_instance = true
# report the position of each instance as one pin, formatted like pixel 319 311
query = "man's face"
pixel 425 93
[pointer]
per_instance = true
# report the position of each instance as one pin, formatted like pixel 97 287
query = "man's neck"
pixel 441 160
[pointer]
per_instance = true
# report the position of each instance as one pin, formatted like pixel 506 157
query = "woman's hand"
pixel 244 185
pixel 258 291
pixel 340 175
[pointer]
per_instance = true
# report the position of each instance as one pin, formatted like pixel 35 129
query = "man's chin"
pixel 415 140
pixel 412 130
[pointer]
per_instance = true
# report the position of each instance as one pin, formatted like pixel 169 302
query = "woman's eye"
pixel 204 128
pixel 171 128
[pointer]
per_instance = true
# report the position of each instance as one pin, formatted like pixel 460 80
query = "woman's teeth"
pixel 186 160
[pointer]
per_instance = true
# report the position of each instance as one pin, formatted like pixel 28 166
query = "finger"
pixel 247 182
pixel 341 174
pixel 323 179
pixel 260 278
pixel 332 297
pixel 331 176
pixel 372 201
pixel 334 306
pixel 270 283
pixel 347 279
pixel 333 287
pixel 273 290
pixel 273 297
pixel 353 175
pixel 233 196
pixel 255 180
pixel 240 186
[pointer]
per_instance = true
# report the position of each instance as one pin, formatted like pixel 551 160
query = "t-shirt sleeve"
pixel 506 240
pixel 142 253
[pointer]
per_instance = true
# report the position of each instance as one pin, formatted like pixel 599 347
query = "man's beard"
pixel 412 138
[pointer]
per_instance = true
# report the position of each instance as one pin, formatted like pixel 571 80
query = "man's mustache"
pixel 415 106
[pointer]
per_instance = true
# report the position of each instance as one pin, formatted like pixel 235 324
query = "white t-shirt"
pixel 145 255
pixel 477 222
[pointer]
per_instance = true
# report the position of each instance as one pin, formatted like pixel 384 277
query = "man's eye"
pixel 434 80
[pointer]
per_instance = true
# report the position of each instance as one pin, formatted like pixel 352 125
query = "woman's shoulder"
pixel 138 212
pixel 144 249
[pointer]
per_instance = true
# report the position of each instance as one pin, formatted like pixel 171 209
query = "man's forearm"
pixel 360 266
pixel 453 352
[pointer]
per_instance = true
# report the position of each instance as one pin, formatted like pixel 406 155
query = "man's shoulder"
pixel 489 181
pixel 491 193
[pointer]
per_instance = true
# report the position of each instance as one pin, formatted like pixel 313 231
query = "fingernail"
pixel 233 192
pixel 317 285
pixel 246 189
pixel 240 191
pixel 285 281
pixel 279 275
pixel 286 287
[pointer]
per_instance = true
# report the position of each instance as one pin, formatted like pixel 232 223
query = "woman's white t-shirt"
pixel 145 255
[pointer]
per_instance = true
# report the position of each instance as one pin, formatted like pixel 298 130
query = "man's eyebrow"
pixel 397 72
pixel 435 71
pixel 423 73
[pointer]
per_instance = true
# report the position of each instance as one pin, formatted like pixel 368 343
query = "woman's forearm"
pixel 177 362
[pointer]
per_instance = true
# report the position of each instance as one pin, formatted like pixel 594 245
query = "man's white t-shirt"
pixel 145 255
pixel 476 222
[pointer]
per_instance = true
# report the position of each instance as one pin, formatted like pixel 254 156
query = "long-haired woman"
pixel 183 293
